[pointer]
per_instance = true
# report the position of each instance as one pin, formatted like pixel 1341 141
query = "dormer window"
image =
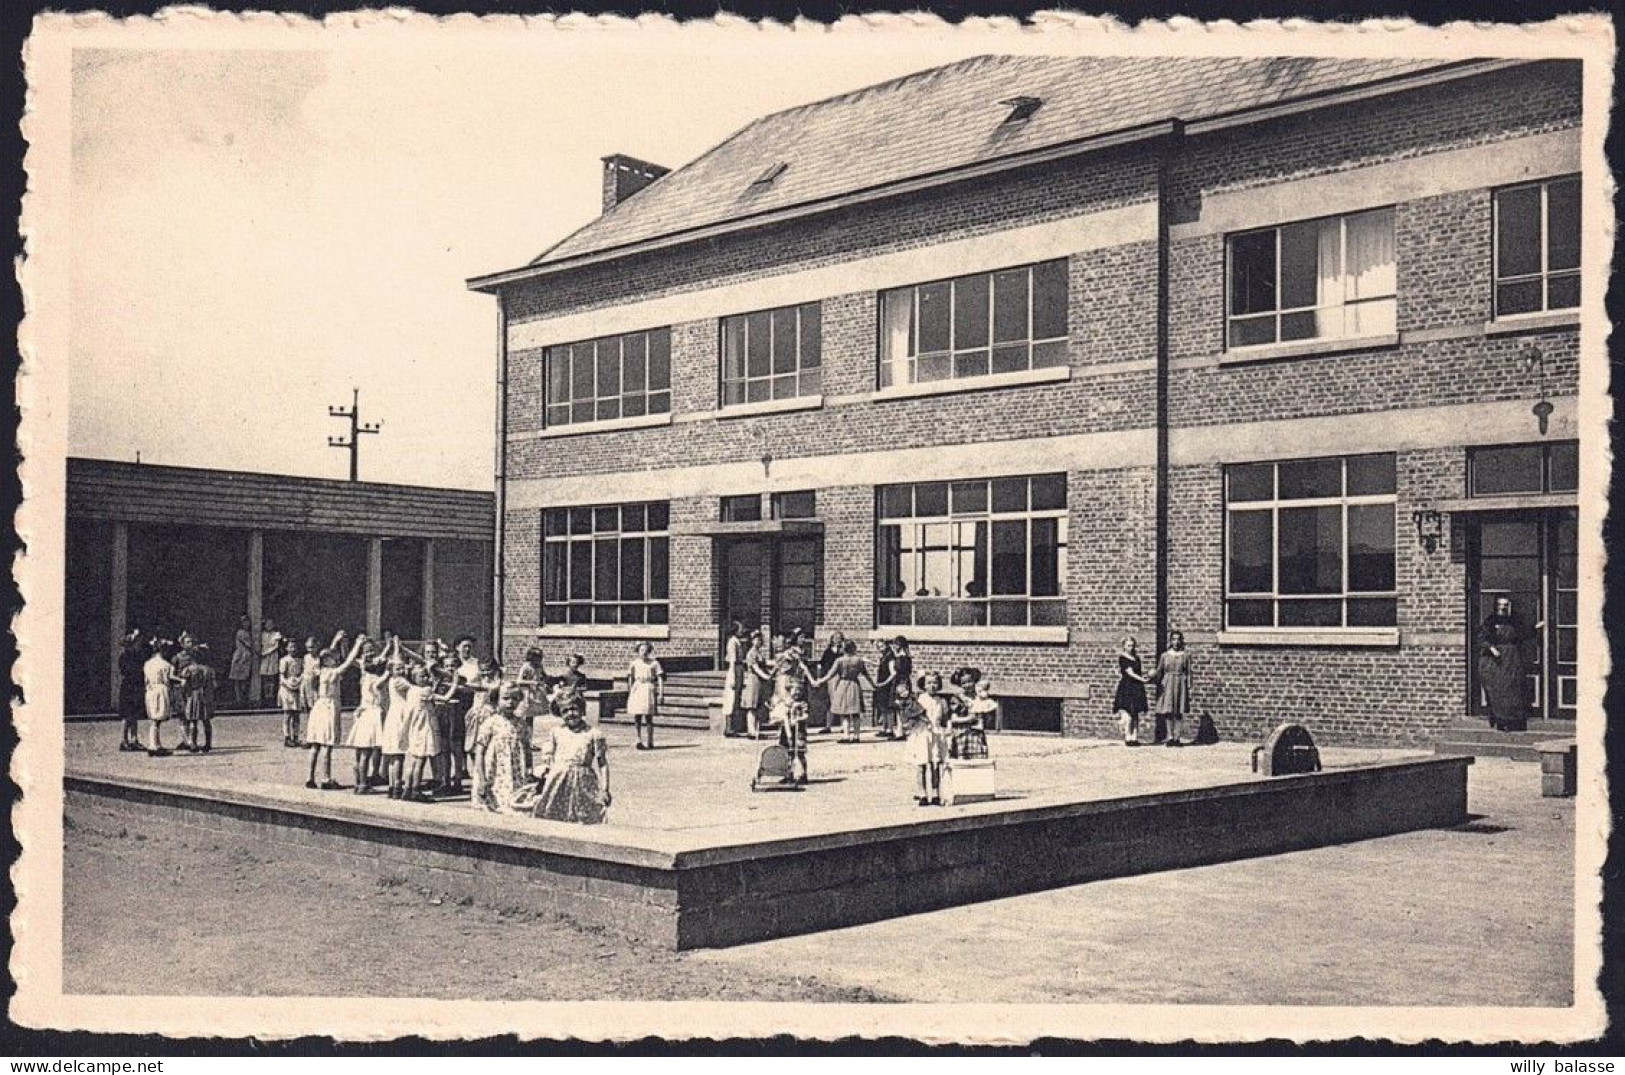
pixel 767 178
pixel 1020 108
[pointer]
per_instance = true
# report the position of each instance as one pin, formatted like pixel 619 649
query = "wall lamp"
pixel 1535 359
pixel 1429 527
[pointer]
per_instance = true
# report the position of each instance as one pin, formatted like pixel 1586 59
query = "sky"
pixel 255 232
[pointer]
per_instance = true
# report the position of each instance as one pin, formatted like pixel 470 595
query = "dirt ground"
pixel 1481 914
pixel 175 912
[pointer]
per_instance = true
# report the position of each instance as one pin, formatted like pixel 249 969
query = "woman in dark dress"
pixel 1129 702
pixel 1502 673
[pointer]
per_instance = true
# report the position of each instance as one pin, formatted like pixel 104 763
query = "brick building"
pixel 168 549
pixel 1018 356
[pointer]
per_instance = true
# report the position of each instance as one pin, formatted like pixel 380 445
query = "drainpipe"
pixel 501 486
pixel 1165 154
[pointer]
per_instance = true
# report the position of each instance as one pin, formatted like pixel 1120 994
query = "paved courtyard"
pixel 694 789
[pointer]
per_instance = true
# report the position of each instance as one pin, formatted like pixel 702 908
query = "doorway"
pixel 769 580
pixel 1532 558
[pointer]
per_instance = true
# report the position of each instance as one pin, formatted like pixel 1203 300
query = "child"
pixel 183 701
pixel 422 732
pixel 158 675
pixel 501 752
pixel 322 731
pixel 393 740
pixel 535 682
pixel 574 768
pixel 366 736
pixel 927 739
pixel 289 675
pixel 574 681
pixel 1129 700
pixel 307 680
pixel 647 682
pixel 984 707
pixel 483 707
pixel 793 732
pixel 1173 677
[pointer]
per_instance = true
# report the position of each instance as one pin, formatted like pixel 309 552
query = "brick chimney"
pixel 624 176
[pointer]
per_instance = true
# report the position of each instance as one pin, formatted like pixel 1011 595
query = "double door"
pixel 1531 558
pixel 769 580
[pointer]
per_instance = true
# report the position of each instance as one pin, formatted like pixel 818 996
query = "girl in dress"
pixel 307 681
pixel 573 681
pixel 290 675
pixel 422 732
pixel 270 653
pixel 1173 677
pixel 928 739
pixel 502 754
pixel 486 696
pixel 647 683
pixel 844 677
pixel 366 736
pixel 393 741
pixel 158 675
pixel 131 702
pixel 322 731
pixel 574 769
pixel 242 660
pixel 197 700
pixel 536 683
pixel 752 674
pixel 1129 701
pixel 181 701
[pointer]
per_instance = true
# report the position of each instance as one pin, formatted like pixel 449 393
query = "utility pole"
pixel 357 428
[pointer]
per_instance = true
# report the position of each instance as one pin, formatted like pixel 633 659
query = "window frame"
pixel 566 541
pixel 1546 450
pixel 1279 312
pixel 745 380
pixel 552 352
pixel 884 360
pixel 1544 275
pixel 1274 505
pixel 989 516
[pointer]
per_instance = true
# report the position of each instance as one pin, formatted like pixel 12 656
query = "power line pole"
pixel 357 428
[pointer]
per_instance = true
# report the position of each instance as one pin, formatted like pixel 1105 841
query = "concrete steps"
pixel 689 699
pixel 1477 738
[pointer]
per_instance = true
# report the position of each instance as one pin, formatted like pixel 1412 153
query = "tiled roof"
pixel 949 117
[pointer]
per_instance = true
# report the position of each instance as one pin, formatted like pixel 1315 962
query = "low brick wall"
pixel 719 896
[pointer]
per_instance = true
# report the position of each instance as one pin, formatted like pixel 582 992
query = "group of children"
pixel 771 673
pixel 1171 678
pixel 164 680
pixel 427 721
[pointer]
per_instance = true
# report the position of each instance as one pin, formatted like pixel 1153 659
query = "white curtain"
pixel 898 314
pixel 1371 273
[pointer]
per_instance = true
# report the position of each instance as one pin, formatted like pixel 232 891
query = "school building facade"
pixel 1018 356
pixel 170 549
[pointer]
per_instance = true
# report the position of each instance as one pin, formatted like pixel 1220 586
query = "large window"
pixel 998 322
pixel 626 376
pixel 773 354
pixel 972 553
pixel 1524 468
pixel 1537 247
pixel 1310 543
pixel 606 564
pixel 1316 279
